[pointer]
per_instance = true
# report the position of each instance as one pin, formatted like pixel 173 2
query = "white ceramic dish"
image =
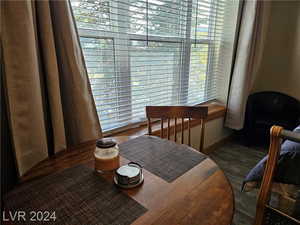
pixel 129 185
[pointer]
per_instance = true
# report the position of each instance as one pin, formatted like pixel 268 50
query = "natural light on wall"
pixel 154 52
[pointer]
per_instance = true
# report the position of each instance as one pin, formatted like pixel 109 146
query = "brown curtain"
pixel 250 45
pixel 8 167
pixel 49 101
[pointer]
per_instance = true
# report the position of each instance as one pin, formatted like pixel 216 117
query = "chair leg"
pixel 202 136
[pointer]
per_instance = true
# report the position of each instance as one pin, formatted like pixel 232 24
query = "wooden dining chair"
pixel 176 113
pixel 265 213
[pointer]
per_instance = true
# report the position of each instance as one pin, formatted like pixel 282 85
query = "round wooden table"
pixel 201 196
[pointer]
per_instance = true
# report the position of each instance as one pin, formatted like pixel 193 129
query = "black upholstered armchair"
pixel 265 109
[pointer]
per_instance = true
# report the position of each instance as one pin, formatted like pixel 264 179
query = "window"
pixel 150 52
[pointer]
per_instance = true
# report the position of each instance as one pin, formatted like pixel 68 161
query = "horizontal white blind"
pixel 150 52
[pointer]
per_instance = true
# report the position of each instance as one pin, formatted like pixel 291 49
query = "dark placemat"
pixel 77 196
pixel 161 157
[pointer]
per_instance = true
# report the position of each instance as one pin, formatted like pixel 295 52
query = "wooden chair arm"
pixel 264 192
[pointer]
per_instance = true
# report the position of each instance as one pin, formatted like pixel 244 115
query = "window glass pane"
pixel 93 14
pixel 203 18
pixel 155 72
pixel 137 15
pixel 99 59
pixel 198 82
pixel 154 17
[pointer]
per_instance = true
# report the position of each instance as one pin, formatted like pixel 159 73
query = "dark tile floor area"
pixel 236 160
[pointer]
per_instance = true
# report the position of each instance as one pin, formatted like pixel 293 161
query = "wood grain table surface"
pixel 202 196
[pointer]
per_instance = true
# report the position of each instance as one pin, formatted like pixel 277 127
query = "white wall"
pixel 214 132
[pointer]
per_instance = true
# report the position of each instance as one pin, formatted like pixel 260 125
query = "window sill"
pixel 215 111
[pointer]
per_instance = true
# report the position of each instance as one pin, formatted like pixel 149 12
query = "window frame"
pixel 122 50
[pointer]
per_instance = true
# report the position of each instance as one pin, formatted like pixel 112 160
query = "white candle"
pixel 107 159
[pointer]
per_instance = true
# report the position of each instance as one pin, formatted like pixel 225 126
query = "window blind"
pixel 150 52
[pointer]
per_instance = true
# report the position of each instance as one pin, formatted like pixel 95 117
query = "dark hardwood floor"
pixel 236 160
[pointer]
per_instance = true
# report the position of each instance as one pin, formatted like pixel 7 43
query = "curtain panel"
pixel 250 46
pixel 8 166
pixel 49 101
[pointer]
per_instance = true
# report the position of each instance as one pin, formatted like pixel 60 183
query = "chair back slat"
pixel 177 112
pixel 149 126
pixel 168 129
pixel 202 128
pixel 175 130
pixel 162 128
pixel 182 130
pixel 189 132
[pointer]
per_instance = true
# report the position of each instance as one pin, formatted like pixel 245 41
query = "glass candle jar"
pixel 106 155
